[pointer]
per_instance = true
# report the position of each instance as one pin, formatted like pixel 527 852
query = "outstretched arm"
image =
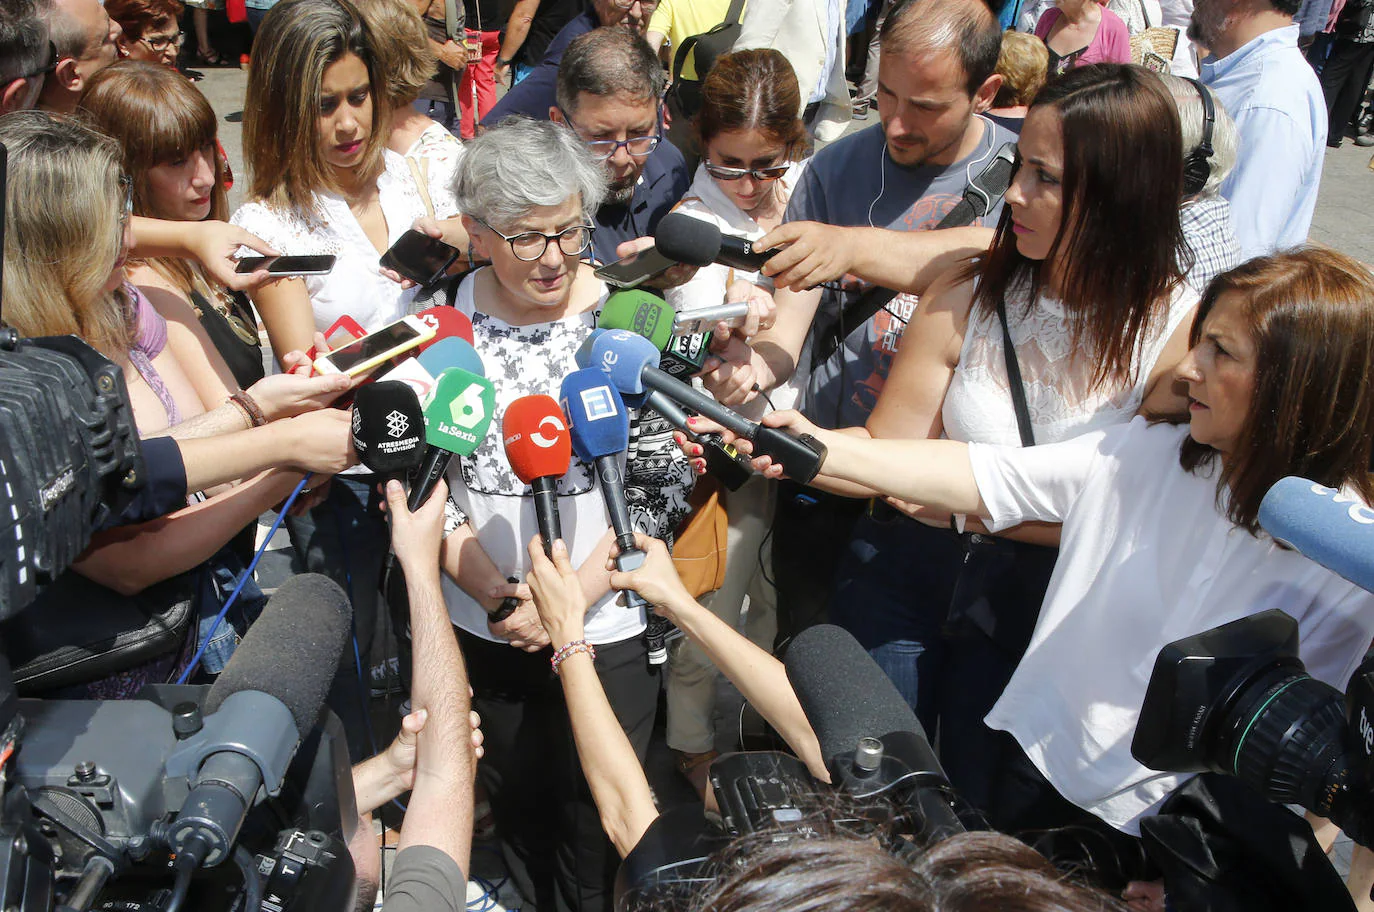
pixel 608 760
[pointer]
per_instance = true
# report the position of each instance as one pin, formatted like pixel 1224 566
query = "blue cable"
pixel 247 573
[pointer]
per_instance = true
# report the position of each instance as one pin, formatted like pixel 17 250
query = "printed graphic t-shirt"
pixel 854 182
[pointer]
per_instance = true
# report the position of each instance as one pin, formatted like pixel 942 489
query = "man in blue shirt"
pixel 1270 91
pixel 610 87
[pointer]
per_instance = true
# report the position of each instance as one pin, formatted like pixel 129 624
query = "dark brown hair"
pixel 970 872
pixel 297 42
pixel 1311 317
pixel 1120 250
pixel 752 90
pixel 137 16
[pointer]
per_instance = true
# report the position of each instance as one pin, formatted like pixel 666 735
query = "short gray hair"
pixel 523 163
pixel 23 38
pixel 66 32
pixel 606 62
pixel 1225 136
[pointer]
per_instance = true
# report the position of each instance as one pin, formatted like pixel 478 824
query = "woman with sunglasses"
pixel 167 132
pixel 526 189
pixel 752 141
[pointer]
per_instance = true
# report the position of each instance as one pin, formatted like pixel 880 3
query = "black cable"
pixel 252 882
pixel 181 888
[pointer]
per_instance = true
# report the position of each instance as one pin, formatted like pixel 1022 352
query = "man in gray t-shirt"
pixel 857 182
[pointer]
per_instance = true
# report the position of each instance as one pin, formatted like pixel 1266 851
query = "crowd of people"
pixel 1049 408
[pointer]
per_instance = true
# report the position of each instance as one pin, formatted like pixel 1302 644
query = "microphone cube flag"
pixel 447 323
pixel 452 352
pixel 459 411
pixel 388 427
pixel 622 355
pixel 536 438
pixel 597 419
pixel 639 312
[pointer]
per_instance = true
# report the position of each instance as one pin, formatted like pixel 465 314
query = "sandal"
pixel 696 768
pixel 210 58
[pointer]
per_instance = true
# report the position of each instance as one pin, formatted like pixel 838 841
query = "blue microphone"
pixel 631 363
pixel 600 428
pixel 1323 525
pixel 452 352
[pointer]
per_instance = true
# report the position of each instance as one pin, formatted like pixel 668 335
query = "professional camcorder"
pixel 887 782
pixel 236 796
pixel 1237 700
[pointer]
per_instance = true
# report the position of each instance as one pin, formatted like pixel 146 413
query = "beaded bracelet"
pixel 570 649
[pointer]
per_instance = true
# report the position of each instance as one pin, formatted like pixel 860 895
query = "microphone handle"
pixel 739 253
pixel 733 471
pixel 546 512
pixel 613 490
pixel 671 412
pixel 801 457
pixel 432 468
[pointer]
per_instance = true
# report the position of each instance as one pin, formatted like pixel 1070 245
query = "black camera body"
pixel 1236 699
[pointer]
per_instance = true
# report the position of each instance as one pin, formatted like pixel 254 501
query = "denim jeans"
pixel 345 538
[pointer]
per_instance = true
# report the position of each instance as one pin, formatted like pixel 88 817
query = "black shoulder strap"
pixel 732 17
pixel 1018 388
pixel 981 194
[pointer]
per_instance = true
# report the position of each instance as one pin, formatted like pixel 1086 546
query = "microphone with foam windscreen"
pixel 419 372
pixel 631 362
pixel 539 448
pixel 448 323
pixel 457 416
pixel 1336 530
pixel 652 317
pixel 692 241
pixel 722 460
pixel 869 737
pixel 388 428
pixel 265 701
pixel 600 429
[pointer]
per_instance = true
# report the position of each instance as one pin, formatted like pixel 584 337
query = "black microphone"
pixel 388 428
pixel 862 722
pixel 689 240
pixel 267 699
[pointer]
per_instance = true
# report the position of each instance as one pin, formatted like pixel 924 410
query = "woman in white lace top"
pixel 1086 267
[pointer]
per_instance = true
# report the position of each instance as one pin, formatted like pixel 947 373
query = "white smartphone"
pixel 366 353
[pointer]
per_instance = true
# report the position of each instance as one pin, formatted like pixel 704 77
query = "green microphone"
pixel 648 315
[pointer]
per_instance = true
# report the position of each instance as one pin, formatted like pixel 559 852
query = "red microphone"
pixel 447 321
pixel 539 447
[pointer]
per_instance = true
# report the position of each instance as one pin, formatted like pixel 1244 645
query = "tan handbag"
pixel 699 548
pixel 1153 47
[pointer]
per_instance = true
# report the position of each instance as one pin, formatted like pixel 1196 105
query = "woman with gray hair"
pixel 1209 153
pixel 526 190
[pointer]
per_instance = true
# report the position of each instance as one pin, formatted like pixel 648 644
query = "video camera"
pixel 138 804
pixel 887 783
pixel 1237 700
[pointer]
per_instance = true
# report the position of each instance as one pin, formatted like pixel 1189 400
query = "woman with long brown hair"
pixel 1085 269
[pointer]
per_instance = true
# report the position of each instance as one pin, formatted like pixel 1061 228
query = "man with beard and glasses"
pixel 1269 89
pixel 610 90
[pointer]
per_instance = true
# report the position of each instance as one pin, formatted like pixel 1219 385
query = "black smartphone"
pixel 635 269
pixel 420 258
pixel 315 264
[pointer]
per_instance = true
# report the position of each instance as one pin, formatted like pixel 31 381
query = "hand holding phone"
pixel 315 264
pixel 635 269
pixel 366 353
pixel 420 258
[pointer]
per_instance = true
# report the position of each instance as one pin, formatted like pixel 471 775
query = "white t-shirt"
pixel 527 361
pixel 706 201
pixel 978 406
pixel 1146 558
pixel 355 286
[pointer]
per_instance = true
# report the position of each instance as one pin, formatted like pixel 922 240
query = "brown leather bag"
pixel 699 547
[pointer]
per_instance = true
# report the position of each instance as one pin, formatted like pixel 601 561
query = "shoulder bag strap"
pixel 419 171
pixel 1018 388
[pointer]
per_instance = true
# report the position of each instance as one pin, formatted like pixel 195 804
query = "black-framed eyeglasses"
pixel 720 172
pixel 162 42
pixel 126 213
pixel 47 67
pixel 602 149
pixel 530 245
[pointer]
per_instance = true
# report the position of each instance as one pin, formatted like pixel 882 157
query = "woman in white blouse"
pixel 1160 532
pixel 1086 267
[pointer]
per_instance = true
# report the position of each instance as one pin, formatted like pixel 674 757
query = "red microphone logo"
pixel 536 438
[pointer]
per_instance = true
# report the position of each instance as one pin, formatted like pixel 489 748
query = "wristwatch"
pixel 502 62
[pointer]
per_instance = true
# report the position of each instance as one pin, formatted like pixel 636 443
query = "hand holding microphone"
pixel 657 580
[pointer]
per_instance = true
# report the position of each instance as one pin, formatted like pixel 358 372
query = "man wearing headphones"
pixel 892 180
pixel 1209 144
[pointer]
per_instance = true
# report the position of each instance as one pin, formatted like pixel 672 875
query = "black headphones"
pixel 1197 166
